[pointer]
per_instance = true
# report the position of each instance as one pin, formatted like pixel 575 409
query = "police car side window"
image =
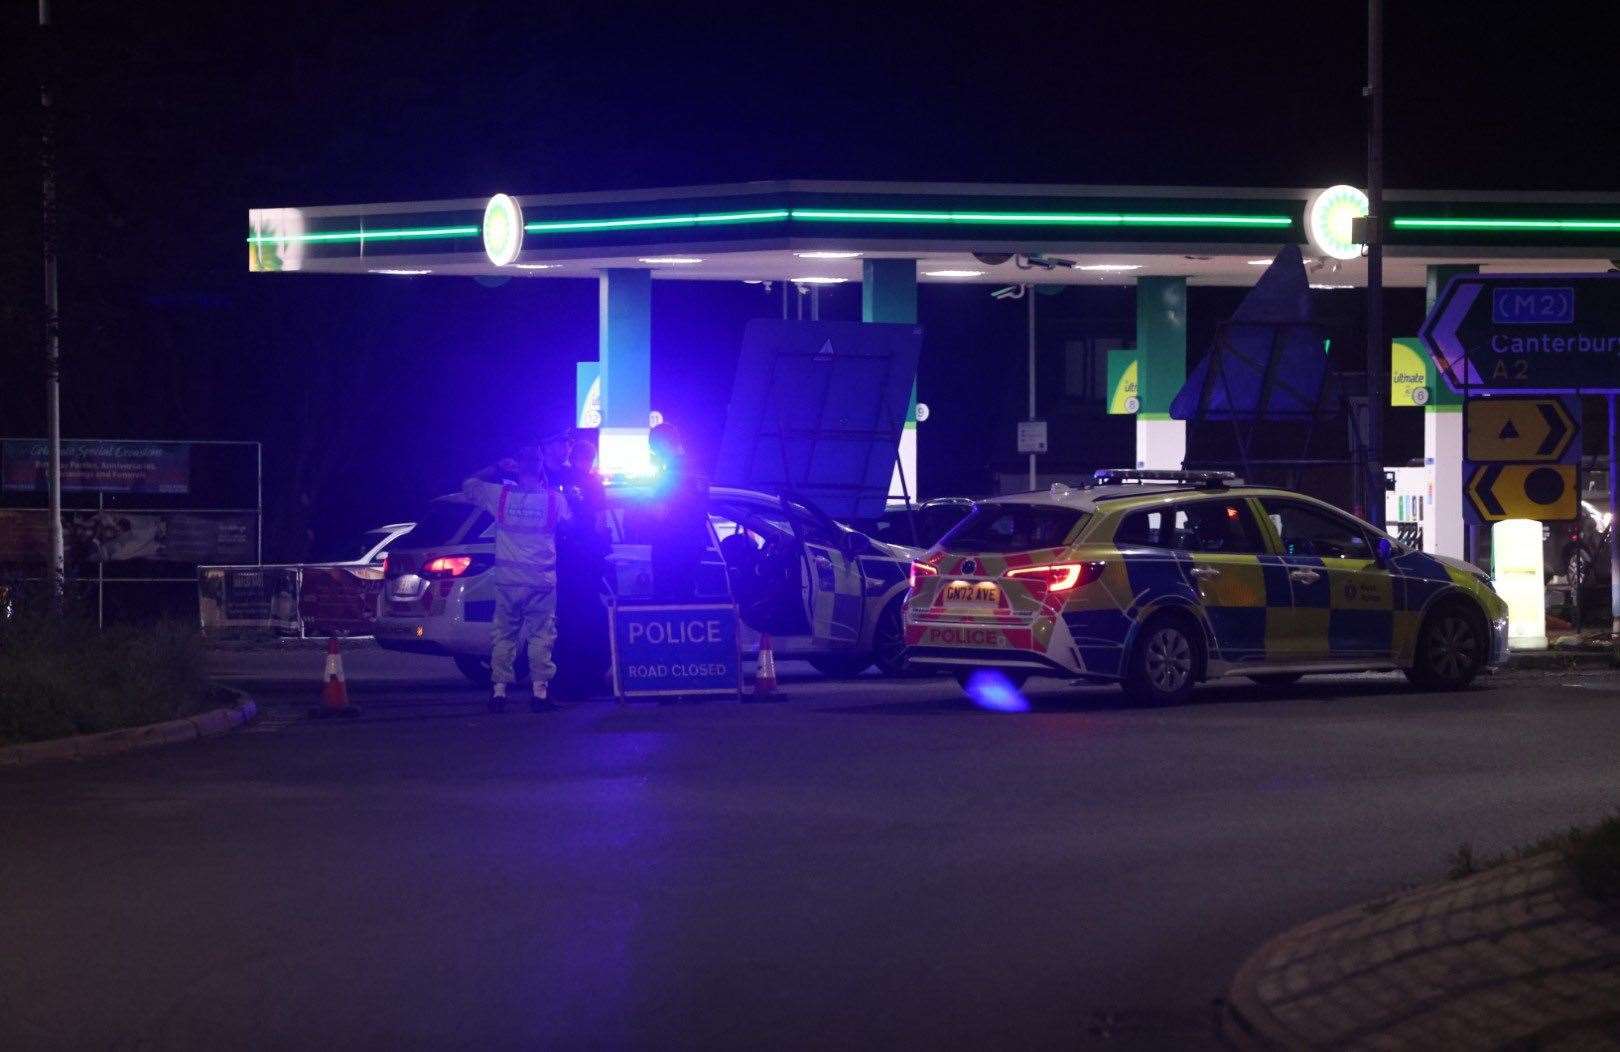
pixel 1217 527
pixel 1206 527
pixel 1142 529
pixel 1310 531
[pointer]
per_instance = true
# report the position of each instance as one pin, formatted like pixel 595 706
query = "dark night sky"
pixel 174 122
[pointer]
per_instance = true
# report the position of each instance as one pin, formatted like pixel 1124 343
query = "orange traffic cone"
pixel 765 674
pixel 335 692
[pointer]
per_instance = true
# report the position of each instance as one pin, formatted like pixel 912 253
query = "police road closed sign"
pixel 667 650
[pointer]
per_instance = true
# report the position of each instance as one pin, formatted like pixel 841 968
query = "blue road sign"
pixel 1533 305
pixel 668 650
pixel 1531 334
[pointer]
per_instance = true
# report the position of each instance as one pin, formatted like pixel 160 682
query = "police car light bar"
pixel 1201 479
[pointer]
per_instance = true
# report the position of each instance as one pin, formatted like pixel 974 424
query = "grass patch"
pixel 63 676
pixel 1593 851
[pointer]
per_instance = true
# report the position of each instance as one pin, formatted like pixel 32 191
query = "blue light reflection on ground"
pixel 992 690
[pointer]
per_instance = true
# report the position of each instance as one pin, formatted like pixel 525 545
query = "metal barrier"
pixel 139 517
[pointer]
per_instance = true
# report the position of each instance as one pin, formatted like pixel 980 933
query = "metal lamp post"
pixel 53 327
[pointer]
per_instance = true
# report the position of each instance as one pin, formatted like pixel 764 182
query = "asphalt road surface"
pixel 865 863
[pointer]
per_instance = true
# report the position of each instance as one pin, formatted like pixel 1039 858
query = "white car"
pixel 822 591
pixel 338 591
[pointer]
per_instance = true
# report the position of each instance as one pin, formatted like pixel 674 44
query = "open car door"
pixel 833 596
pixel 788 568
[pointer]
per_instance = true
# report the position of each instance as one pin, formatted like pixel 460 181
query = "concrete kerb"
pixel 1516 953
pixel 128 739
pixel 1560 659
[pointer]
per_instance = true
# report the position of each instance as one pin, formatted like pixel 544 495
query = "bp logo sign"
pixel 503 229
pixel 1328 217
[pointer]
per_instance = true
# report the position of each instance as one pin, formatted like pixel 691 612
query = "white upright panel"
pixel 907 463
pixel 1443 461
pixel 1161 445
pixel 1516 573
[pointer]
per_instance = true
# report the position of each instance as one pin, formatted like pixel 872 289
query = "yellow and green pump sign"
pixel 1411 373
pixel 1124 398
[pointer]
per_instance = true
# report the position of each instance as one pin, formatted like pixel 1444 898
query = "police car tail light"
pixel 1058 577
pixel 921 570
pixel 447 566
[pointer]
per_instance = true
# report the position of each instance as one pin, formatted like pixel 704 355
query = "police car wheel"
pixel 1164 663
pixel 1450 649
pixel 889 643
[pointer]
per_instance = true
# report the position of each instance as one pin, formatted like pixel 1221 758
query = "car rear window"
pixel 441 523
pixel 1012 528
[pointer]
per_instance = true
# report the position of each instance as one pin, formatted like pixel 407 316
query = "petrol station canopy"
pixel 820 232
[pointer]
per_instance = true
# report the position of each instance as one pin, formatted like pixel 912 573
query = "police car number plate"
pixel 971 593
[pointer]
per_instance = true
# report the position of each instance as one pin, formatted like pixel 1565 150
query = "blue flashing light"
pixel 992 690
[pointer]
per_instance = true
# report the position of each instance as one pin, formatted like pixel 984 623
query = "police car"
pixel 1158 580
pixel 823 592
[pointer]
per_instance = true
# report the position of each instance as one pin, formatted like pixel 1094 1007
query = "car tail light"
pixel 447 566
pixel 1058 577
pixel 921 570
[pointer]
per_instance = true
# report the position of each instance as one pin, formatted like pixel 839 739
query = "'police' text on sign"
pixel 675 650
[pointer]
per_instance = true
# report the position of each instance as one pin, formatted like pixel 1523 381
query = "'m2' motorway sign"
pixel 1525 333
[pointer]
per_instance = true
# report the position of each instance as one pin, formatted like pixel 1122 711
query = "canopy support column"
pixel 1443 531
pixel 624 348
pixel 889 294
pixel 1161 342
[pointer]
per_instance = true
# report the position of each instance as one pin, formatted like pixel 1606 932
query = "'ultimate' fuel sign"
pixel 1524 333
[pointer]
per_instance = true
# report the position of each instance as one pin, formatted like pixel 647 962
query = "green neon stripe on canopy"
pixel 417 234
pixel 568 226
pixel 1417 223
pixel 851 215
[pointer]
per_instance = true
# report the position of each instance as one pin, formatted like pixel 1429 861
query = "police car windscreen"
pixel 1012 528
pixel 441 523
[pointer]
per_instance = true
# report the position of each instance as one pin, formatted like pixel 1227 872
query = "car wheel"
pixel 1013 676
pixel 1275 679
pixel 1451 649
pixel 1164 664
pixel 474 668
pixel 889 643
pixel 840 666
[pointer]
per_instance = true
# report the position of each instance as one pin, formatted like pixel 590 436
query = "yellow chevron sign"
pixel 1517 429
pixel 1545 492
